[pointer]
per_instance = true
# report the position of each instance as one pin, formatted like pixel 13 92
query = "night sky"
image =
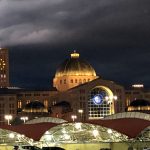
pixel 112 35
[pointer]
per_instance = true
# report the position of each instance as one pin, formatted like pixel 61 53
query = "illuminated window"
pixel 46 103
pixel 97 106
pixel 28 101
pixel 54 102
pixel 19 104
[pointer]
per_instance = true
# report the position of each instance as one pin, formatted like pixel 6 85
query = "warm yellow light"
pixel 64 131
pixel 24 119
pixel 80 111
pixel 18 135
pixel 66 136
pixel 106 98
pixel 11 135
pixel 75 55
pixel 109 131
pixel 95 132
pixel 74 117
pixel 8 118
pixel 115 97
pixel 78 126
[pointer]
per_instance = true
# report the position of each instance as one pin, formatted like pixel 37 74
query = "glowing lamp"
pixel 98 99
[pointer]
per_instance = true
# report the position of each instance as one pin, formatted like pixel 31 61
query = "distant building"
pixel 4 68
pixel 137 91
pixel 139 96
pixel 139 105
pixel 8 104
pixel 78 84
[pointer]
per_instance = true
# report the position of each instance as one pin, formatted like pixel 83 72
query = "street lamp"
pixel 24 119
pixel 110 101
pixel 80 111
pixel 73 117
pixel 110 98
pixel 8 118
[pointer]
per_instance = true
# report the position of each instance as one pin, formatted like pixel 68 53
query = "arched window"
pixel 19 104
pixel 98 107
pixel 46 103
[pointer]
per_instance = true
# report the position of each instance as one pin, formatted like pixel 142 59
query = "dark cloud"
pixel 112 35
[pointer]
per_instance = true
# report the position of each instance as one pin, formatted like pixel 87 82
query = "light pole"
pixel 8 118
pixel 24 119
pixel 110 99
pixel 80 111
pixel 73 117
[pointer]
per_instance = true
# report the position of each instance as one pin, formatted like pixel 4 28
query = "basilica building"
pixel 78 94
pixel 77 83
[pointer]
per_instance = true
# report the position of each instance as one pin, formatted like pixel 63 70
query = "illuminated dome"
pixel 35 107
pixel 73 72
pixel 75 67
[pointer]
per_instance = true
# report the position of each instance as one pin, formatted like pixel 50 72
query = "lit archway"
pixel 100 102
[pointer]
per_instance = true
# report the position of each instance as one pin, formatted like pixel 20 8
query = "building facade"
pixel 78 93
pixel 138 98
pixel 8 105
pixel 4 68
